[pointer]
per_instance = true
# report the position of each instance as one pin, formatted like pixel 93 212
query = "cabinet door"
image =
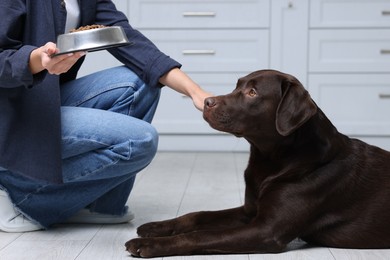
pixel 349 50
pixel 179 14
pixel 350 14
pixel 289 38
pixel 356 104
pixel 214 50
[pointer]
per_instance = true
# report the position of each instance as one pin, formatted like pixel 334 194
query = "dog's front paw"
pixel 156 229
pixel 144 247
pixel 137 247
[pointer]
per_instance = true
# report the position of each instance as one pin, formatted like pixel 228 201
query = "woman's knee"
pixel 147 146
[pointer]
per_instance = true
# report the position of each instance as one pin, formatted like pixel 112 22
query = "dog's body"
pixel 304 180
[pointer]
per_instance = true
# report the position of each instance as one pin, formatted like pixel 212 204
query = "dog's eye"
pixel 252 92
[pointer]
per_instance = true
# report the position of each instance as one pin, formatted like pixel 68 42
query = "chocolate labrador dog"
pixel 304 180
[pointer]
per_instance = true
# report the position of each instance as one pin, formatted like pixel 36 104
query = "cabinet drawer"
pixel 356 104
pixel 214 50
pixel 349 50
pixel 350 13
pixel 176 113
pixel 199 13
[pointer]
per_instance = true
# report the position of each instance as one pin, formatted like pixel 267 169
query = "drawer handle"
pixel 198 52
pixel 199 14
pixel 385 12
pixel 385 51
pixel 384 96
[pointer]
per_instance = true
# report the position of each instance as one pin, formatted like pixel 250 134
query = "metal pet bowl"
pixel 92 40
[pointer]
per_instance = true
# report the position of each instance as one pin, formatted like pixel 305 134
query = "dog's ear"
pixel 295 107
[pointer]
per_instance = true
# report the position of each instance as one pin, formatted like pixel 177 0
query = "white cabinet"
pixel 338 49
pixel 357 104
pixel 214 51
pixel 349 13
pixel 289 37
pixel 349 65
pixel 216 14
pixel 350 50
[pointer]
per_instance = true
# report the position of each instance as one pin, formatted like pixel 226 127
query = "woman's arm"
pixel 179 81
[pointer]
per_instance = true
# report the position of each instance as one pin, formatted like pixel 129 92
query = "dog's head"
pixel 265 102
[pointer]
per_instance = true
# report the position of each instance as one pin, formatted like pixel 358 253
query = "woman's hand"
pixel 198 98
pixel 41 59
pixel 179 81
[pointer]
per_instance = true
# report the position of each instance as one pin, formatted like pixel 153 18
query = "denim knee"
pixel 147 146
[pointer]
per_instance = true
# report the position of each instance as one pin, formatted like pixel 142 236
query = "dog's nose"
pixel 209 102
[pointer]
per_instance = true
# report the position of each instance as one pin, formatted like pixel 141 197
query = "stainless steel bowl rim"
pixel 92 40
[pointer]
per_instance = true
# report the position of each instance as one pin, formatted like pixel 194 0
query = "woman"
pixel 70 148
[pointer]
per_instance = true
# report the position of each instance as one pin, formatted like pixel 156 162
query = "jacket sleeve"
pixel 14 56
pixel 143 57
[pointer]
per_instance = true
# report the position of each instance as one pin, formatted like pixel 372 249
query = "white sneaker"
pixel 84 216
pixel 11 220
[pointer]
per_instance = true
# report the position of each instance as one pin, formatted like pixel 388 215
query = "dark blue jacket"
pixel 30 131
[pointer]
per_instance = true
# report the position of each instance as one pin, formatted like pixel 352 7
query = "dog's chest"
pixel 258 176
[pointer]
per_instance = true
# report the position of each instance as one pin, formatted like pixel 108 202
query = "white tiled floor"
pixel 174 184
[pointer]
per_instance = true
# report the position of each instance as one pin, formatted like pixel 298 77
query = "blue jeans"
pixel 107 139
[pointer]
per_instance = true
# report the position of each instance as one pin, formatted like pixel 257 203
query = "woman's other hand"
pixel 42 59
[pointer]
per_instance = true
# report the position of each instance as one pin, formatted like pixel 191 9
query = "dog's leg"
pixel 203 220
pixel 250 238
